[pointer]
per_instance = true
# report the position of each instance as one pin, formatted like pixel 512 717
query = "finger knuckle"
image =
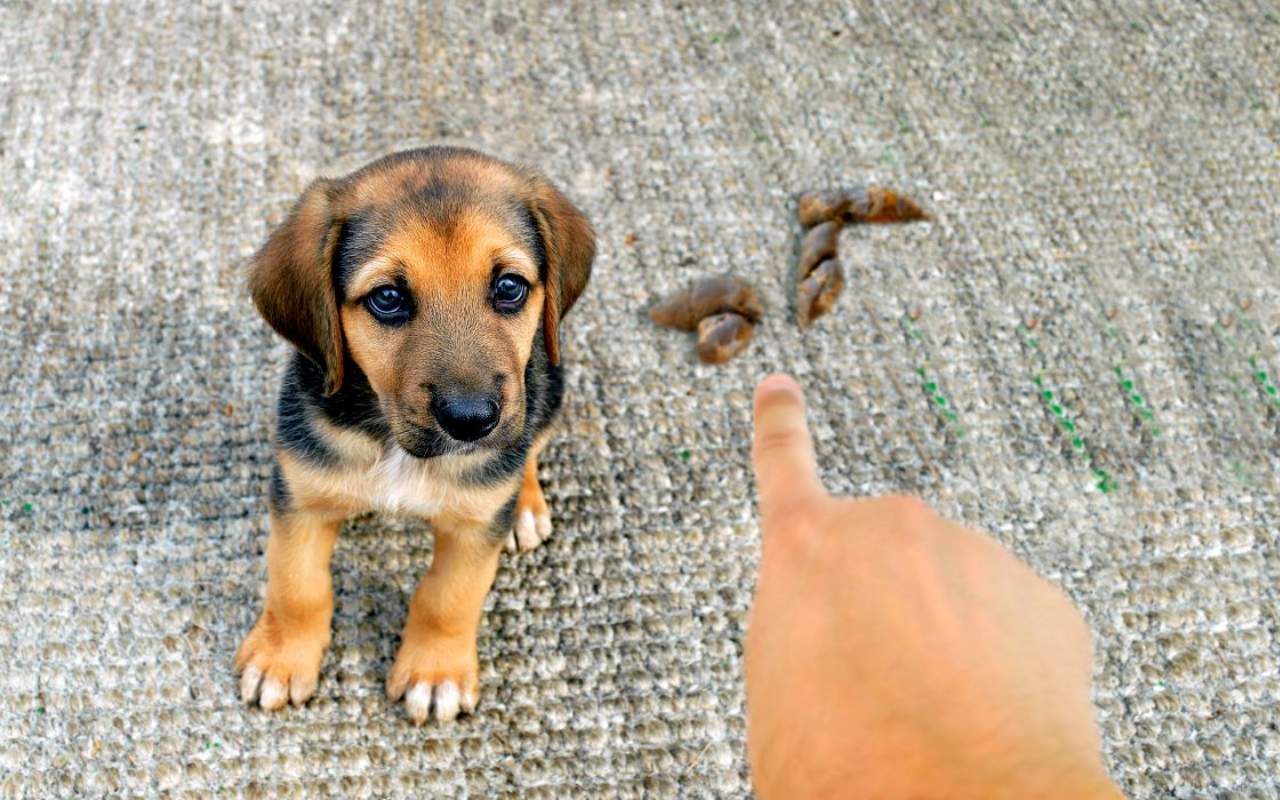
pixel 774 441
pixel 793 531
pixel 797 520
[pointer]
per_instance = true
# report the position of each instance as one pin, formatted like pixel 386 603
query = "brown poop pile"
pixel 723 310
pixel 819 276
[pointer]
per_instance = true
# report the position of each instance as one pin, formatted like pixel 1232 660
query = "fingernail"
pixel 778 383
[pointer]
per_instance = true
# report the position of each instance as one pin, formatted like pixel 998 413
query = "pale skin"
pixel 892 654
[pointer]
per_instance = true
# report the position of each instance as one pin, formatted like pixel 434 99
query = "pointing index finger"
pixel 782 449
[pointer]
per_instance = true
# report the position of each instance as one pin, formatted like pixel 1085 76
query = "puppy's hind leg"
pixel 533 517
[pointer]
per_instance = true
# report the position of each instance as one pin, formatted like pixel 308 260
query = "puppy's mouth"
pixel 422 441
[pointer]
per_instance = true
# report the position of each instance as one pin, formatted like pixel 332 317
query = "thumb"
pixel 782 450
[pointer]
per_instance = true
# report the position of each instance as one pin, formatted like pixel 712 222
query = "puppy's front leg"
pixel 280 658
pixel 437 666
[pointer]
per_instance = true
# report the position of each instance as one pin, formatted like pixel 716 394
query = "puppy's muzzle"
pixel 466 416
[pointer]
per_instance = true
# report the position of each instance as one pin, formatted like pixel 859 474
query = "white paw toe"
pixel 417 701
pixel 468 701
pixel 274 694
pixel 526 532
pixel 301 688
pixel 446 699
pixel 249 680
pixel 531 530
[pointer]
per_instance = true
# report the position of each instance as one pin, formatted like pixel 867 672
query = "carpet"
pixel 1080 355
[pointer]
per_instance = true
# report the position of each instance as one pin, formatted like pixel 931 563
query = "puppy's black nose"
pixel 465 417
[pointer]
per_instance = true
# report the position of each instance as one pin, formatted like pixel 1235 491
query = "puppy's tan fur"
pixel 356 429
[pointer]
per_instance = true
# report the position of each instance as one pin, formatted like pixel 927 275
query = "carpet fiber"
pixel 1080 355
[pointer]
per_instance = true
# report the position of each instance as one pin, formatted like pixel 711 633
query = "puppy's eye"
pixel 509 293
pixel 388 305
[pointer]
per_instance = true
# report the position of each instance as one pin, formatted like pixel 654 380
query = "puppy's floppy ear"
pixel 292 280
pixel 570 247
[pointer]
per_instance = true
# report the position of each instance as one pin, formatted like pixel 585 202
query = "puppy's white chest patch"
pixel 403 484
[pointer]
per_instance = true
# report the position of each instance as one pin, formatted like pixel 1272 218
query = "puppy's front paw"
pixel 279 664
pixel 533 520
pixel 435 672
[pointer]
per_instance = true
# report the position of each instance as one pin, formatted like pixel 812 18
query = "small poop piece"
pixel 818 292
pixel 722 336
pixel 870 204
pixel 715 295
pixel 879 204
pixel 819 244
pixel 816 207
pixel 820 278
pixel 722 309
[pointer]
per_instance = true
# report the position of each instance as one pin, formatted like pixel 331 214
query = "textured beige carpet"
pixel 1106 184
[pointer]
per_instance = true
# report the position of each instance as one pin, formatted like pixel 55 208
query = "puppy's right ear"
pixel 291 280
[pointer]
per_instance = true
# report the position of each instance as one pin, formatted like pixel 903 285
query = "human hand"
pixel 891 653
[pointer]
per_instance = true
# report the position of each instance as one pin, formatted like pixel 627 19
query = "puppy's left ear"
pixel 570 246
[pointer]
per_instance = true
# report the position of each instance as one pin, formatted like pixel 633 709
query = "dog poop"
pixel 819 276
pixel 715 295
pixel 723 310
pixel 818 245
pixel 816 207
pixel 869 204
pixel 819 291
pixel 722 336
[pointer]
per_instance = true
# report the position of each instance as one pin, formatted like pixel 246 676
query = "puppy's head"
pixel 439 273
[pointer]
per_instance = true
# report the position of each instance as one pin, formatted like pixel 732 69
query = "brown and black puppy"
pixel 424 294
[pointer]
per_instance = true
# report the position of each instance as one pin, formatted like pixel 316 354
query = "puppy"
pixel 424 295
